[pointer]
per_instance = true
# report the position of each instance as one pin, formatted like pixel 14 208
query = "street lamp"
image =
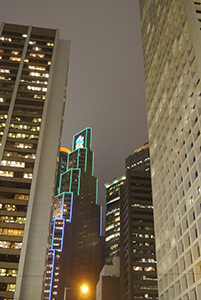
pixel 83 288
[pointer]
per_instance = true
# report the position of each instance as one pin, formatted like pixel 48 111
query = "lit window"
pixel 32 42
pixel 137 268
pixel 37 48
pixel 15 52
pixel 5 71
pixel 37 68
pixel 24 35
pixel 50 44
pixel 6 39
pixel 26 60
pixel 1 100
pixel 15 58
pixel 6 173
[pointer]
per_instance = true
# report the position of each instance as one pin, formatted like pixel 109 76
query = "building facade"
pixel 108 286
pixel 112 222
pixel 171 40
pixel 76 251
pixel 33 76
pixel 139 160
pixel 137 239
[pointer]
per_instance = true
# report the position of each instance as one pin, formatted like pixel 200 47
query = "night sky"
pixel 105 80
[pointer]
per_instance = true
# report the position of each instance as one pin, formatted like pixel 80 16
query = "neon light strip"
pixel 62 236
pixel 63 196
pixel 92 171
pixel 52 272
pixel 71 208
pixel 101 220
pixel 86 137
pixel 90 129
pixel 67 165
pixel 78 189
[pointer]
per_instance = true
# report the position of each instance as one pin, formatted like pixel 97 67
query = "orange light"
pixel 63 149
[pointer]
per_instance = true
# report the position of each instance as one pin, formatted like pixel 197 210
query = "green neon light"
pixel 71 172
pixel 86 137
pixel 60 181
pixel 92 171
pixel 78 190
pixel 96 190
pixel 67 162
pixel 90 141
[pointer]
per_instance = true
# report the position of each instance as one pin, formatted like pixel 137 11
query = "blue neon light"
pixel 62 236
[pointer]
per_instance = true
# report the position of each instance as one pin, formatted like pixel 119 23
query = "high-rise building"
pixel 139 160
pixel 171 40
pixel 33 76
pixel 137 240
pixel 112 222
pixel 76 252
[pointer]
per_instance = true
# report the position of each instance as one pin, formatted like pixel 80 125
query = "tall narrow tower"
pixel 171 36
pixel 33 76
pixel 76 252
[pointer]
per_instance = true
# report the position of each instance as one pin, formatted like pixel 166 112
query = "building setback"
pixel 171 39
pixel 76 252
pixel 33 76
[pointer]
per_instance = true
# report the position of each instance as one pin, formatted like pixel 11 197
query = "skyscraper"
pixel 172 60
pixel 112 222
pixel 33 76
pixel 76 252
pixel 137 240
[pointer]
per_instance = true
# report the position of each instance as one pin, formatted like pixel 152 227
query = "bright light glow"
pixel 84 288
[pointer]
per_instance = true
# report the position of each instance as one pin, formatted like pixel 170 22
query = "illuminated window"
pixel 137 268
pixel 37 48
pixel 21 197
pixel 5 71
pixel 15 52
pixel 13 163
pixel 5 39
pixel 148 269
pixel 26 60
pixel 8 231
pixel 49 63
pixel 6 173
pixel 24 35
pixel 0 57
pixel 37 68
pixel 37 55
pixel 28 175
pixel 15 58
pixel 50 44
pixel 32 42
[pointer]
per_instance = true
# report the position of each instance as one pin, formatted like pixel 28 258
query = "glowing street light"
pixel 83 288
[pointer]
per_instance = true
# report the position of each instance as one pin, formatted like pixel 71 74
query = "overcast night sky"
pixel 105 80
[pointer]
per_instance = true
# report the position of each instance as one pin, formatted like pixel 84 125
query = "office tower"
pixel 108 286
pixel 33 76
pixel 137 243
pixel 76 255
pixel 172 60
pixel 139 160
pixel 112 222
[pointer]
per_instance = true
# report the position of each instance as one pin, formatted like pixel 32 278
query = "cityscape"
pixel 142 239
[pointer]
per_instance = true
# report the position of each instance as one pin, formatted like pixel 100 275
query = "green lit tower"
pixel 76 251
